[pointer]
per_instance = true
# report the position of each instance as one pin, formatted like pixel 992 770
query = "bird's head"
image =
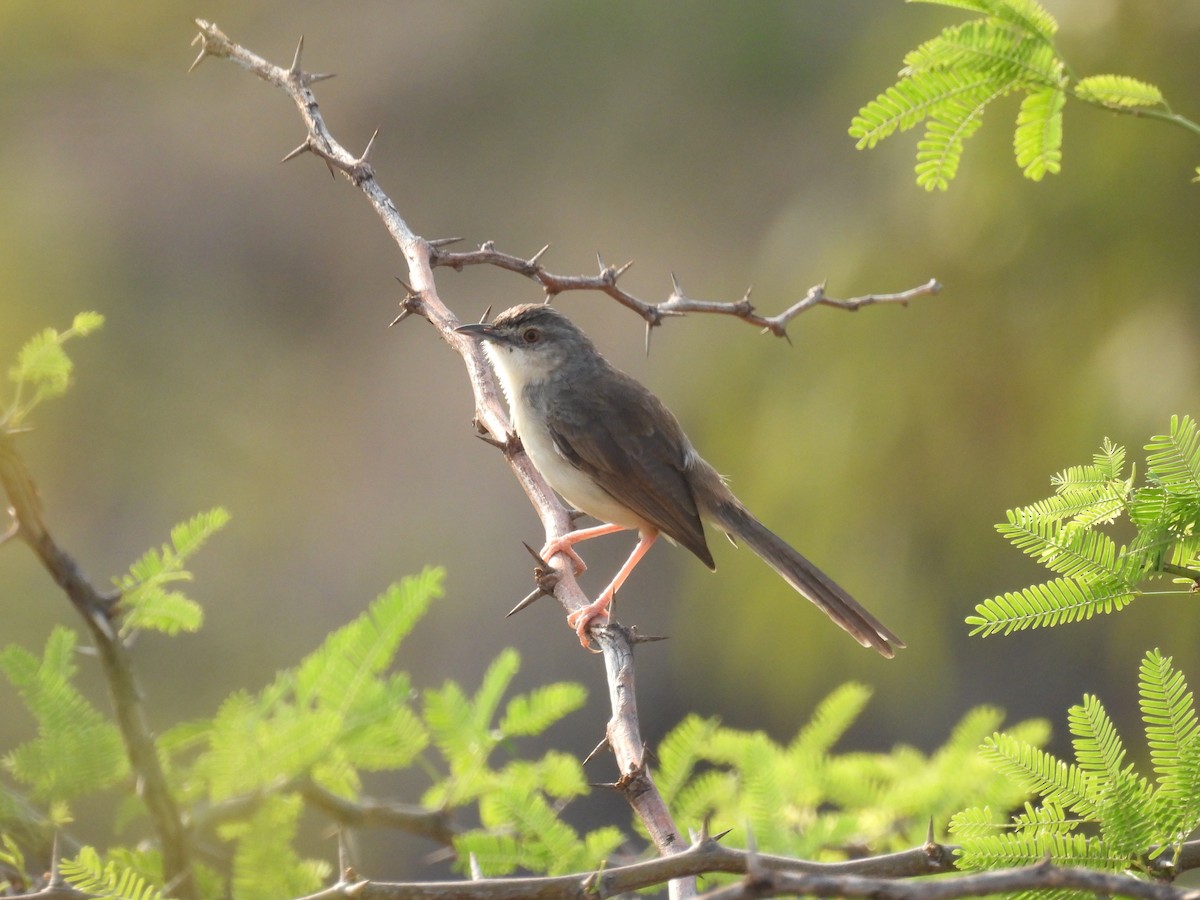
pixel 530 343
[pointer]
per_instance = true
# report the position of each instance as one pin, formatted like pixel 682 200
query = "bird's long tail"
pixel 806 578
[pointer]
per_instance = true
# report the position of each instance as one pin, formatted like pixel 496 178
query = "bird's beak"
pixel 484 331
pixel 481 331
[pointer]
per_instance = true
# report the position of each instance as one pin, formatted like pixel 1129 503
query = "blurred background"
pixel 247 361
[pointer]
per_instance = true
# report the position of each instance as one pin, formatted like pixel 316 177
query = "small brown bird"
pixel 613 450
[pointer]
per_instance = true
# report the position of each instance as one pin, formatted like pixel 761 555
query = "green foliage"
pixel 265 864
pixel 803 799
pixel 43 369
pixel 145 601
pixel 950 80
pixel 1095 573
pixel 77 750
pixel 520 799
pixel 1097 811
pixel 336 714
pixel 89 873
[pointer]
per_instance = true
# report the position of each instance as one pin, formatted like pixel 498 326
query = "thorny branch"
pixel 99 611
pixel 623 733
pixel 677 303
pixel 422 299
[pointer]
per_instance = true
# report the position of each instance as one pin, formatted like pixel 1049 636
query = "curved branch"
pixel 99 611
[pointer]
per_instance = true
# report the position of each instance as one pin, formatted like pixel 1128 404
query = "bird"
pixel 613 450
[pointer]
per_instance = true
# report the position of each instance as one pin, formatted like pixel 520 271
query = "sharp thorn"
pixel 600 746
pixel 537 556
pixel 635 638
pixel 488 439
pixel 721 834
pixel 443 242
pixel 409 292
pixel 528 601
pixel 533 260
pixel 200 58
pixel 329 166
pixel 622 270
pixel 306 147
pixel 649 328
pixel 366 154
pixel 404 314
pixel 676 287
pixel 476 871
pixel 314 77
pixel 295 68
pixel 929 833
pixel 343 854
pixel 600 263
pixel 610 785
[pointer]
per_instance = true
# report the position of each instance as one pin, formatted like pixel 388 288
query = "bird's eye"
pixel 531 335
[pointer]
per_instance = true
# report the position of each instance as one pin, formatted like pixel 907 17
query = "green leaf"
pixel 265 864
pixel 681 749
pixel 939 153
pixel 42 364
pixel 1174 458
pixel 496 680
pixel 1119 91
pixel 1027 15
pixel 1045 605
pixel 1076 553
pixel 1038 138
pixel 533 713
pixel 43 367
pixel 1039 772
pixel 145 601
pixel 914 99
pixel 340 672
pixel 1172 733
pixel 77 750
pixel 831 719
pixel 88 873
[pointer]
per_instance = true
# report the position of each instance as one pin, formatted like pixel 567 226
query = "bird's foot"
pixel 558 546
pixel 581 620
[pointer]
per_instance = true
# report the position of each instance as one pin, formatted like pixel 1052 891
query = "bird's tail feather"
pixel 806 578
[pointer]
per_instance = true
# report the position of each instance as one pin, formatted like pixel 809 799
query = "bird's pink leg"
pixel 565 544
pixel 583 617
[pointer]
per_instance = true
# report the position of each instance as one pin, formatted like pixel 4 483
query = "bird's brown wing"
pixel 639 464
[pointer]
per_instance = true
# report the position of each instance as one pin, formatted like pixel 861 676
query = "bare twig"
pixel 677 303
pixel 98 611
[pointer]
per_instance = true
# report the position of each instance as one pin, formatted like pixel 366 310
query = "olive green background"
pixel 246 359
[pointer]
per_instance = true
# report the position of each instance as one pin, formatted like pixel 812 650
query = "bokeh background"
pixel 247 361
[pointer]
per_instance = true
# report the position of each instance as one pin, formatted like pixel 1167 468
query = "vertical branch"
pixel 422 299
pixel 98 612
